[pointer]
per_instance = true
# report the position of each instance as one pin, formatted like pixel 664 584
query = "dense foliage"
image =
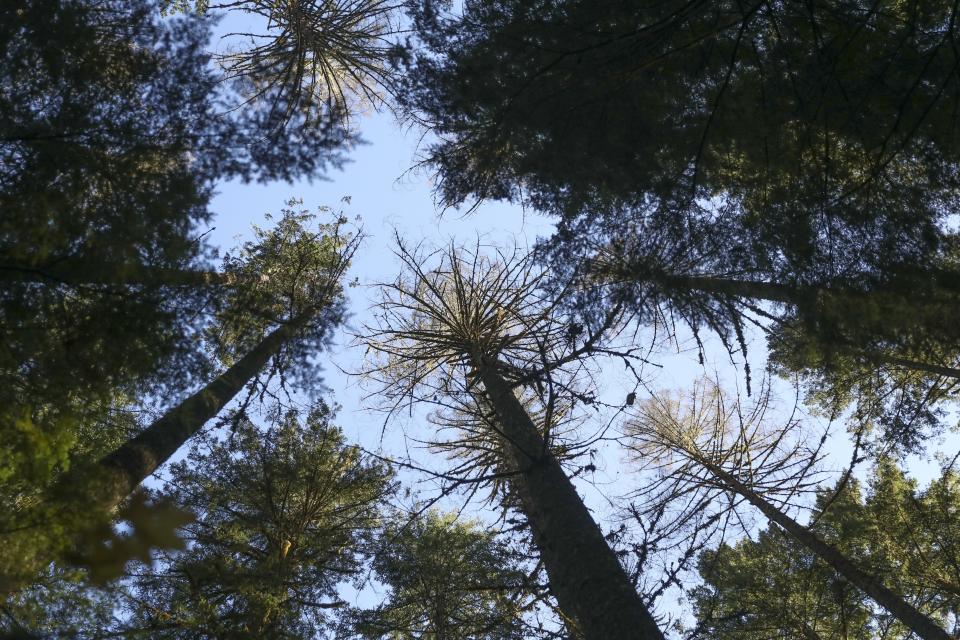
pixel 446 579
pixel 772 586
pixel 773 172
pixel 113 132
pixel 284 517
pixel 725 164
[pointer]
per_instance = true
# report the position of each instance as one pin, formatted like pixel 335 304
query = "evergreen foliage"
pixel 446 579
pixel 286 299
pixel 773 586
pixel 113 131
pixel 805 146
pixel 284 516
pixel 769 168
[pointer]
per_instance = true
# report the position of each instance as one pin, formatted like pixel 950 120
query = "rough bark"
pixel 902 610
pixel 591 587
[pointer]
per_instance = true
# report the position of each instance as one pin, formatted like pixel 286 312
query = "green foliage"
pixel 113 131
pixel 892 352
pixel 88 171
pixel 448 580
pixel 774 587
pixel 308 57
pixel 284 516
pixel 826 129
pixel 292 270
pixel 807 145
pixel 61 603
pixel 30 523
pixel 150 526
pixel 292 267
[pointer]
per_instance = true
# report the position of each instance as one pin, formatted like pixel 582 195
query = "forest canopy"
pixel 662 343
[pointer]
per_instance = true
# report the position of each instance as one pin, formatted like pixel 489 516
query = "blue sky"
pixel 388 197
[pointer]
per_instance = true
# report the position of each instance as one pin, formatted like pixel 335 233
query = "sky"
pixel 389 197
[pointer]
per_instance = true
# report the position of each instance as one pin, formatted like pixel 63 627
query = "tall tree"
pixel 283 317
pixel 699 435
pixel 774 585
pixel 467 325
pixel 113 131
pixel 447 580
pixel 775 144
pixel 883 342
pixel 809 122
pixel 285 516
pixel 303 59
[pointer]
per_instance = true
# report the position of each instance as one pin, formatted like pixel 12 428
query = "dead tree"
pixel 457 323
pixel 717 448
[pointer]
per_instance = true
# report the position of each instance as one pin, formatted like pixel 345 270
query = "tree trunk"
pixel 91 272
pixel 902 610
pixel 84 496
pixel 936 369
pixel 121 471
pixel 768 291
pixel 591 587
pixel 793 296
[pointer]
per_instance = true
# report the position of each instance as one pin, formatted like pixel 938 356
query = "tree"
pixel 667 108
pixel 285 516
pixel 447 580
pixel 113 131
pixel 60 603
pixel 756 145
pixel 883 343
pixel 310 58
pixel 727 450
pixel 283 317
pixel 775 585
pixel 469 326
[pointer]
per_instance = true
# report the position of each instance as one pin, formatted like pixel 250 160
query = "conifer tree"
pixel 467 325
pixel 447 580
pixel 773 584
pixel 113 131
pixel 735 160
pixel 718 447
pixel 282 316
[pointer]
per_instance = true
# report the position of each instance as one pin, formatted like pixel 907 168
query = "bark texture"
pixel 591 587
pixel 902 610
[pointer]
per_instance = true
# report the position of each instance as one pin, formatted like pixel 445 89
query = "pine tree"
pixel 113 132
pixel 719 447
pixel 774 584
pixel 751 146
pixel 471 326
pixel 284 317
pixel 447 580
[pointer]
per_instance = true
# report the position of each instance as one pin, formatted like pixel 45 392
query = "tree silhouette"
pixel 463 325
